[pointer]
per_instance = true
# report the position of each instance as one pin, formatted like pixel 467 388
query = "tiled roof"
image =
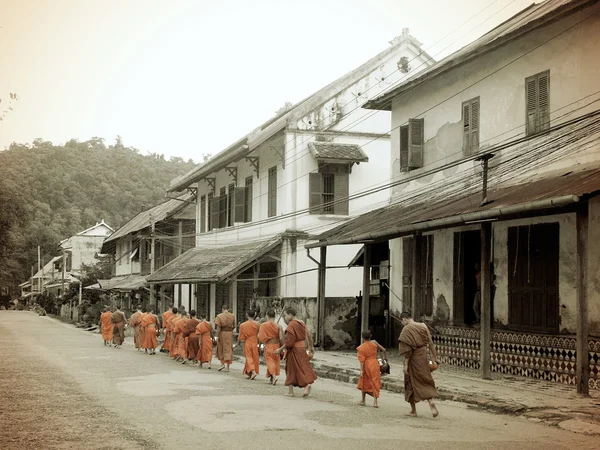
pixel 337 151
pixel 535 15
pixel 213 263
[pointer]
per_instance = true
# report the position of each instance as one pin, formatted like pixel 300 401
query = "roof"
pixel 279 122
pixel 215 263
pixel 123 283
pixel 48 268
pixel 402 220
pixel 334 151
pixel 528 19
pixel 142 220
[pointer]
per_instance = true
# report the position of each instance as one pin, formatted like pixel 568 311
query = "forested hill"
pixel 50 192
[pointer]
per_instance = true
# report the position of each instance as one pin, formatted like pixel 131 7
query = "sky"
pixel 186 78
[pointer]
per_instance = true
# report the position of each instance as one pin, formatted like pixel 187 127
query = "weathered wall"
pixel 594 268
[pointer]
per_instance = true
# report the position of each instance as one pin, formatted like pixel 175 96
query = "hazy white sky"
pixel 187 77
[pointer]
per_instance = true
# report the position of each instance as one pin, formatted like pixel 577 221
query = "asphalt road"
pixel 60 388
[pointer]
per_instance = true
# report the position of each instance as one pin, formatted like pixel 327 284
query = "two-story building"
pixel 145 243
pixel 84 247
pixel 262 198
pixel 493 231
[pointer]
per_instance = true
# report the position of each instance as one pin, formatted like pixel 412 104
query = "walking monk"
pixel 135 321
pixel 205 342
pixel 249 336
pixel 370 378
pixel 191 338
pixel 149 326
pixel 418 382
pixel 173 336
pixel 106 326
pixel 180 351
pixel 271 335
pixel 118 320
pixel 298 371
pixel 165 321
pixel 225 323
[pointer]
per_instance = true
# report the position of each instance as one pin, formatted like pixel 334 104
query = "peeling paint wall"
pixel 594 268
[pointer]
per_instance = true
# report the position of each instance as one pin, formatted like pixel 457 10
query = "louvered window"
pixel 203 214
pixel 537 99
pixel 272 192
pixel 329 189
pixel 411 140
pixel 470 118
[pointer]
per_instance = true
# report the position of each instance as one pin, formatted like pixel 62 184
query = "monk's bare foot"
pixel 434 411
pixel 361 404
pixel 254 375
pixel 288 395
pixel 375 405
pixel 306 391
pixel 412 414
pixel 209 367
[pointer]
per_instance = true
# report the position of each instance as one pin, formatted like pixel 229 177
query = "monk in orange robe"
pixel 205 341
pixel 180 348
pixel 249 336
pixel 106 326
pixel 171 327
pixel 414 340
pixel 135 321
pixel 225 324
pixel 298 371
pixel 370 378
pixel 119 322
pixel 149 326
pixel 191 338
pixel 271 335
pixel 165 317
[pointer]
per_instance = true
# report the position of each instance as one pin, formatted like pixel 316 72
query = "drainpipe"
pixel 484 163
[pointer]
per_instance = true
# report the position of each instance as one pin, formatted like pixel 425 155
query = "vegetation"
pixel 50 192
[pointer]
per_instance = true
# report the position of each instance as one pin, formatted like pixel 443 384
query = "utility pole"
pixel 64 260
pixel 152 247
pixel 39 269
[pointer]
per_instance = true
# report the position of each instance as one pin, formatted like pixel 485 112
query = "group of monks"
pixel 189 339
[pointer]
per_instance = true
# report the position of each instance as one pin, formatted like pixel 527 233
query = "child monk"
pixel 205 342
pixel 370 378
pixel 271 334
pixel 249 336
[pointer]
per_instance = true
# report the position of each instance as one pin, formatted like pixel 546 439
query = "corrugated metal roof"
pixel 214 263
pixel 337 151
pixel 123 283
pixel 142 220
pixel 533 16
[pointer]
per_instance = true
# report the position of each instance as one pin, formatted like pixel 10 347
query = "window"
pixel 272 192
pixel 203 214
pixel 329 189
pixel 230 205
pixel 470 119
pixel 411 138
pixel 222 207
pixel 248 200
pixel 213 219
pixel 424 304
pixel 537 99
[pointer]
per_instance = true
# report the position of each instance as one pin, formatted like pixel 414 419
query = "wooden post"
pixel 416 308
pixel 583 366
pixel 364 325
pixel 321 297
pixel 233 301
pixel 212 289
pixel 486 329
pixel 179 249
pixel 152 248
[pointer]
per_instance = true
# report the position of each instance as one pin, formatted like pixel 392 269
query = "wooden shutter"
pixel 214 212
pixel 239 204
pixel 341 191
pixel 416 137
pixel 474 125
pixel 531 104
pixel 315 190
pixel 404 147
pixel 248 200
pixel 544 101
pixel 466 118
pixel 272 192
pixel 203 214
pixel 470 117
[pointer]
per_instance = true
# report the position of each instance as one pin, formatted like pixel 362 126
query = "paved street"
pixel 60 388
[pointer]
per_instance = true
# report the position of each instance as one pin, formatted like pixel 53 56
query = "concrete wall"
pixel 123 264
pixel 84 250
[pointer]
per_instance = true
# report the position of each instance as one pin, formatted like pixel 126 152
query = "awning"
pixel 403 219
pixel 334 152
pixel 214 263
pixel 95 286
pixel 123 283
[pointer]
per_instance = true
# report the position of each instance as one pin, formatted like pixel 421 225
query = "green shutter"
pixel 416 137
pixel 341 191
pixel 239 204
pixel 315 188
pixel 404 147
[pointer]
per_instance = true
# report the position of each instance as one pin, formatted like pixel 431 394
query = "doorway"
pixel 467 258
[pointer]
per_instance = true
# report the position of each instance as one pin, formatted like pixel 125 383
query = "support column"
pixel 233 301
pixel 486 328
pixel 583 366
pixel 179 249
pixel 416 308
pixel 212 290
pixel 321 297
pixel 366 301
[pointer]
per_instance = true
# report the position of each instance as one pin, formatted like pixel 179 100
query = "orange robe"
pixel 298 371
pixel 205 352
pixel 418 382
pixel 165 317
pixel 370 381
pixel 249 334
pixel 107 326
pixel 171 327
pixel 226 322
pixel 269 335
pixel 135 321
pixel 118 320
pixel 149 326
pixel 180 340
pixel 189 333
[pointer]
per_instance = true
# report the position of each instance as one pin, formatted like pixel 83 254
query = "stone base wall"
pixel 538 356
